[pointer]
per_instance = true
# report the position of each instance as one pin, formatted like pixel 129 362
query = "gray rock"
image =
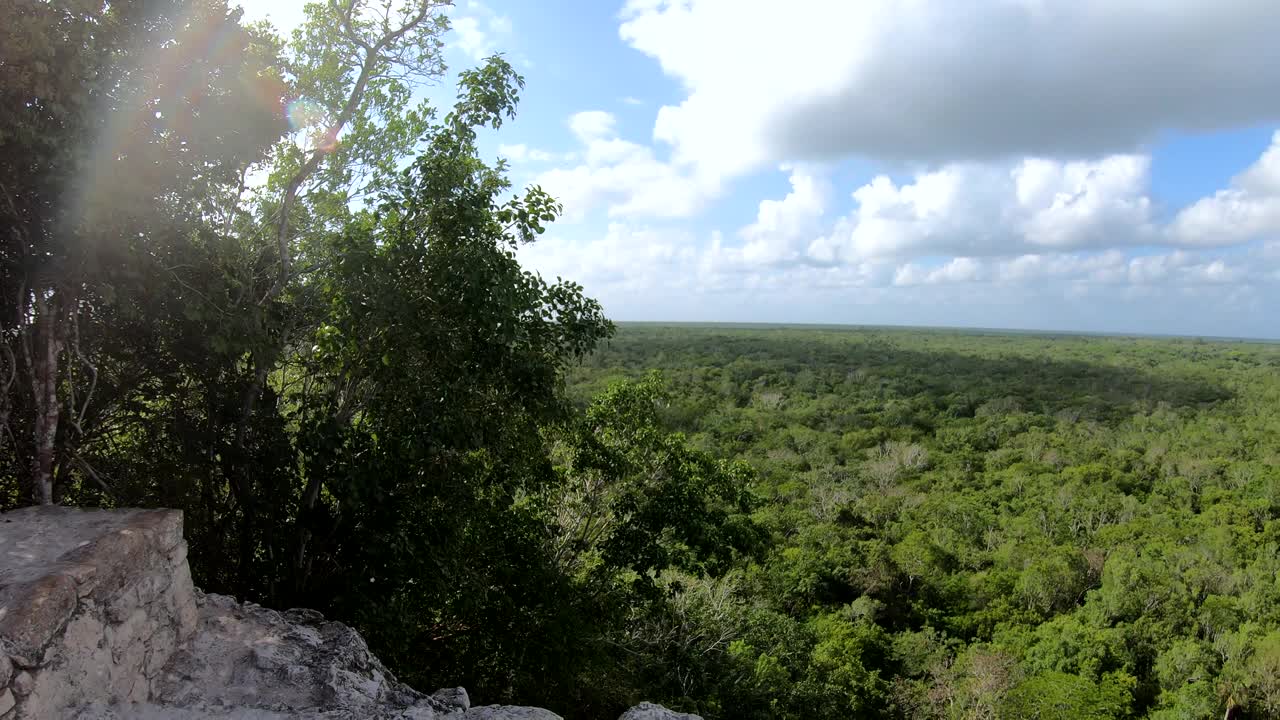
pixel 509 712
pixel 454 698
pixel 99 620
pixel 22 683
pixel 92 603
pixel 247 657
pixel 651 711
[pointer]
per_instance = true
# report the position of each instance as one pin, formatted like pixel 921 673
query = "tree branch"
pixel 373 56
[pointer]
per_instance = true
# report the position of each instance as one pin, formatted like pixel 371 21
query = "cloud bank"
pixel 944 82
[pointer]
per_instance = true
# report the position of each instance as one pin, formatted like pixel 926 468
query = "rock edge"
pixel 99 620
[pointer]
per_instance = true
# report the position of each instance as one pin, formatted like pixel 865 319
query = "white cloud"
pixel 629 100
pixel 1175 269
pixel 959 270
pixel 974 209
pixel 479 29
pixel 592 125
pixel 1084 204
pixel 784 228
pixel 944 81
pixel 1178 268
pixel 626 257
pixel 1036 222
pixel 645 272
pixel 1106 267
pixel 622 175
pixel 1248 210
pixel 520 153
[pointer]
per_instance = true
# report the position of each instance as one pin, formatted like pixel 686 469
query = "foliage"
pixel 302 321
pixel 990 525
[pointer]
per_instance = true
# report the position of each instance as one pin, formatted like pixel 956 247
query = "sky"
pixel 1086 165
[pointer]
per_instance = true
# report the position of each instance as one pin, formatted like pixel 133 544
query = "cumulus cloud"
pixel 784 228
pixel 963 223
pixel 520 153
pixel 479 30
pixel 592 125
pixel 978 209
pixel 941 81
pixel 625 177
pixel 959 270
pixel 1248 210
pixel 645 272
pixel 1012 243
pixel 1178 268
pixel 625 256
pixel 646 258
pixel 1033 208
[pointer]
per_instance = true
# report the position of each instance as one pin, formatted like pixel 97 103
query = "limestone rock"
pixel 650 711
pixel 22 683
pixel 454 698
pixel 509 712
pixel 99 621
pixel 247 656
pixel 91 604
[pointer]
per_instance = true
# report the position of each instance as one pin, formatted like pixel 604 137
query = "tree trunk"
pixel 44 391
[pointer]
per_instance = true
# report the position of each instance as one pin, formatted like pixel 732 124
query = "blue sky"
pixel 1049 164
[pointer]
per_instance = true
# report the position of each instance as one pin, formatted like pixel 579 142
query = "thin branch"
pixel 93 374
pixel 347 26
pixel 373 56
pixel 13 368
pixel 93 475
pixel 5 403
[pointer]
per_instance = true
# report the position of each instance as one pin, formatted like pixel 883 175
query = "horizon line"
pixel 962 329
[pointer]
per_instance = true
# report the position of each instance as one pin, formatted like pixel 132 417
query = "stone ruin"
pixel 99 620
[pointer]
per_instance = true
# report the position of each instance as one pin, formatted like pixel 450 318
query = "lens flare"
pixel 178 96
pixel 304 113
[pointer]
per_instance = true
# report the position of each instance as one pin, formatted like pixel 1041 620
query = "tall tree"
pixel 115 121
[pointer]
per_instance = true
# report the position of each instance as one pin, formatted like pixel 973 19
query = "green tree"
pixel 92 93
pixel 1058 696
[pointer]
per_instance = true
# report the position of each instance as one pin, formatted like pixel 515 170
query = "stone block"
pixel 33 612
pixel 92 604
pixel 23 682
pixel 453 698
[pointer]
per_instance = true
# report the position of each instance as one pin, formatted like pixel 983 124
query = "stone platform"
pixel 92 605
pixel 99 621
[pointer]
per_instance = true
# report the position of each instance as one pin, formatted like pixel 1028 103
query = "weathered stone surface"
pixel 254 659
pixel 89 600
pixel 509 712
pixel 99 621
pixel 453 698
pixel 650 711
pixel 22 683
pixel 34 611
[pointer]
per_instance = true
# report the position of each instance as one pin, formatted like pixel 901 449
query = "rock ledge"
pixel 99 621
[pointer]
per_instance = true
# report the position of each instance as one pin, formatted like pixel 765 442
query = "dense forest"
pixel 259 278
pixel 977 525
